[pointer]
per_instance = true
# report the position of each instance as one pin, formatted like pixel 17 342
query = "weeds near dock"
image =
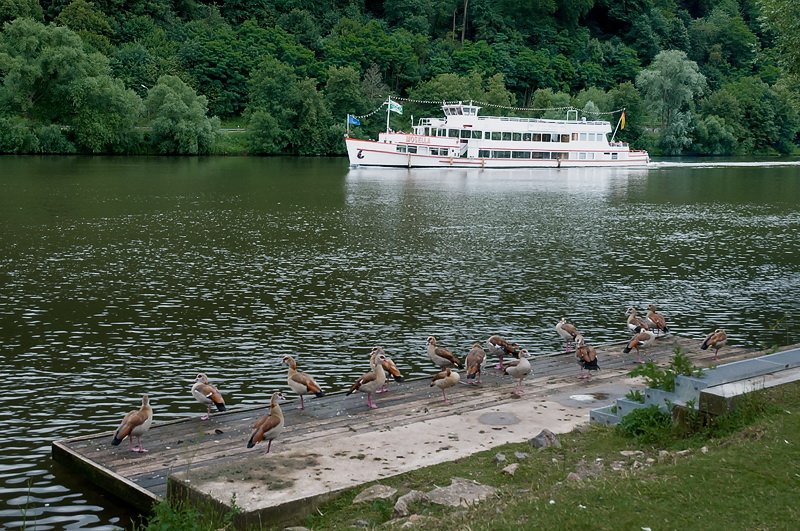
pixel 635 395
pixel 658 378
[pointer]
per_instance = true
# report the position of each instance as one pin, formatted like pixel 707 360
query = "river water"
pixel 123 276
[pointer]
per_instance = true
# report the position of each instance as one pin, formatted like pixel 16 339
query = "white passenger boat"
pixel 463 139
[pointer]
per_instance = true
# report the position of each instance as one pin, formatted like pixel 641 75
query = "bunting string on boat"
pixel 485 104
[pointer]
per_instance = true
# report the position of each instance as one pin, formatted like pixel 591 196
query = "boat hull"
pixel 371 153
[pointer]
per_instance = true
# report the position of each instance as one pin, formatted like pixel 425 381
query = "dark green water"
pixel 120 276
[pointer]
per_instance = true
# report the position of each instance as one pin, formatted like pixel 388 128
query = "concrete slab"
pixel 311 472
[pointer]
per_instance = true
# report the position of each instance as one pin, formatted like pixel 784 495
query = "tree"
pixel 669 85
pixel 783 17
pixel 287 113
pixel 13 9
pixel 178 121
pixel 48 78
pixel 90 23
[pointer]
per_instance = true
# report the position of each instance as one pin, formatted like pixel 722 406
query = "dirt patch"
pixel 275 472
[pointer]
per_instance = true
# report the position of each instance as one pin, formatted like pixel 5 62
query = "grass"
pixel 739 472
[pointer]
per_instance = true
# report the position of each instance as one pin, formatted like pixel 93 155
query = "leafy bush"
pixel 658 378
pixel 647 425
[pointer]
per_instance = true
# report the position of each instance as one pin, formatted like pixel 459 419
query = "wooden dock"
pixel 337 443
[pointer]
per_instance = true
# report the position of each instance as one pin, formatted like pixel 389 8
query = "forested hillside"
pixel 715 77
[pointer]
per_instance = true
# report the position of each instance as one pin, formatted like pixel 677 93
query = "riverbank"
pixel 742 476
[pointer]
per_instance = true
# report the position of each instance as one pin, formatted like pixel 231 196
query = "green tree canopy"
pixel 178 120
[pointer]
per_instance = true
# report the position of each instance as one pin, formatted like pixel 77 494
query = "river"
pixel 122 276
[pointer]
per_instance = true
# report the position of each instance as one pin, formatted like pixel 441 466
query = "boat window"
pixel 452 133
pixel 582 156
pixel 583 136
pixel 401 149
pixel 517 137
pixel 526 137
pixel 559 155
pixel 614 156
pixel 442 132
pixel 412 149
pixel 477 134
pixel 591 137
pixel 520 154
pixel 502 154
pixel 565 138
pixel 484 153
pixel 495 135
pixel 574 136
pixel 537 137
pixel 466 133
pixel 427 131
pixel 601 136
pixel 506 136
pixel 540 155
pixel 487 135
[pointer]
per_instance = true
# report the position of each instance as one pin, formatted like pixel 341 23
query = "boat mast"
pixel 618 122
pixel 388 111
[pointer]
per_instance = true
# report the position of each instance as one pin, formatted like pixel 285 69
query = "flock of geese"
pixel 644 329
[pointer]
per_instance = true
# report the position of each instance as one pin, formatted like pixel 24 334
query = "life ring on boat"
pixel 360 154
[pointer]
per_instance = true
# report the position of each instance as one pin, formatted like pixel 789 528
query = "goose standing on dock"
pixel 519 369
pixel 270 425
pixel 207 394
pixel 567 331
pixel 441 356
pixel 373 380
pixel 445 380
pixel 300 382
pixel 656 321
pixel 501 348
pixel 135 424
pixel 476 357
pixel 716 340
pixel 635 323
pixel 641 340
pixel 390 369
pixel 587 357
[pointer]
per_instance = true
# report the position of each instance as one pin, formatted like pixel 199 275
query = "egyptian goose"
pixel 476 357
pixel 445 380
pixel 135 424
pixel 655 320
pixel 207 394
pixel 373 380
pixel 641 340
pixel 270 425
pixel 441 356
pixel 716 340
pixel 390 369
pixel 567 331
pixel 300 382
pixel 501 348
pixel 587 357
pixel 635 323
pixel 519 369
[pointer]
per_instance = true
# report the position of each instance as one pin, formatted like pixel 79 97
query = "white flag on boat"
pixel 395 107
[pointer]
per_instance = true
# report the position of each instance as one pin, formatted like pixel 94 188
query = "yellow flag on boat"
pixel 395 107
pixel 622 121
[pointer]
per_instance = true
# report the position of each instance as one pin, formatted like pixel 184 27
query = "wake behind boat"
pixel 463 139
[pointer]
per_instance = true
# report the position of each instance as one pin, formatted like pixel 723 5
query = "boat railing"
pixel 438 121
